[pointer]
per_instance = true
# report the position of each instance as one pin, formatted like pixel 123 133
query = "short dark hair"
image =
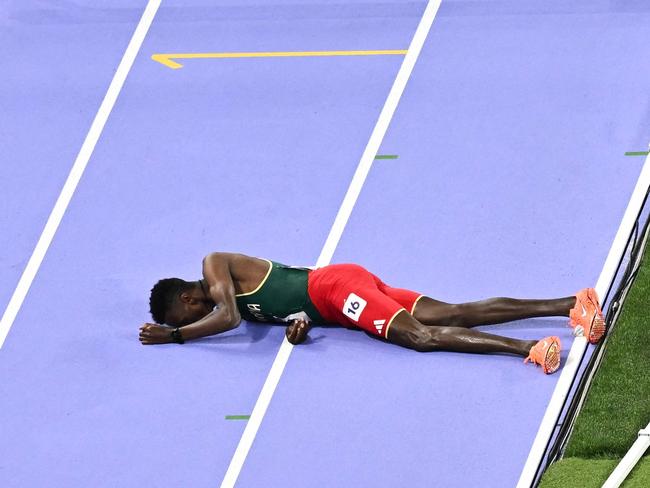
pixel 163 295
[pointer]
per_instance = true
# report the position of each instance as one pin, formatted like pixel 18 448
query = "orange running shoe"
pixel 546 353
pixel 586 317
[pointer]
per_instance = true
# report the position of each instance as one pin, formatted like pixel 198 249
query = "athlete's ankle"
pixel 566 304
pixel 528 345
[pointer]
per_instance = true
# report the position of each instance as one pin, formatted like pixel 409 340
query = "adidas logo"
pixel 379 324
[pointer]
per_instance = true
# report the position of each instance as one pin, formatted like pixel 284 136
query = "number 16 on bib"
pixel 354 306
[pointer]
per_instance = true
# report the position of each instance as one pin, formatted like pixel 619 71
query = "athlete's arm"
pixel 297 331
pixel 216 273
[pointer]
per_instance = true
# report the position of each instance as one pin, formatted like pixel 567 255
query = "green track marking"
pixel 636 153
pixel 237 417
pixel 386 156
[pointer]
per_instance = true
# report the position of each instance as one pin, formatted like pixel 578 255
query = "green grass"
pixel 618 403
pixel 592 473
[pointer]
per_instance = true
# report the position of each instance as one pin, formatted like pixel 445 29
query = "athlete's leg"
pixel 492 311
pixel 406 331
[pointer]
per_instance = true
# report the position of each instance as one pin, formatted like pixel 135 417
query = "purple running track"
pixel 510 180
pixel 59 61
pixel 240 155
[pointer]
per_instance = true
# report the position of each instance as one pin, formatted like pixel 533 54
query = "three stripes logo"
pixel 379 325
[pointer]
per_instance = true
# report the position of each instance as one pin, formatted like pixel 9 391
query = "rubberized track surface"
pixel 511 181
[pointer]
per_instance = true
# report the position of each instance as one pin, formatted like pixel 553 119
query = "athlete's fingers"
pixel 304 325
pixel 297 338
pixel 293 333
pixel 289 333
pixel 296 329
pixel 300 332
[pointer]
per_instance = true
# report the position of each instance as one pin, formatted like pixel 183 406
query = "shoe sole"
pixel 597 329
pixel 552 358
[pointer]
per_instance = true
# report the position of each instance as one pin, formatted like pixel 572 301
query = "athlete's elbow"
pixel 234 317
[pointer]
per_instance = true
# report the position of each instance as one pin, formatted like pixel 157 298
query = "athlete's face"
pixel 187 309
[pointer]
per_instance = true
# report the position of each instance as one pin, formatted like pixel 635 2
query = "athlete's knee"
pixel 455 315
pixel 426 339
pixel 409 332
pixel 435 338
pixel 435 312
pixel 448 315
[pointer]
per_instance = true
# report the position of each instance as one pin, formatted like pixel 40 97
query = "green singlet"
pixel 280 297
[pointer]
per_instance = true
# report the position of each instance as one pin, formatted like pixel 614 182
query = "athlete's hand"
pixel 155 334
pixel 297 331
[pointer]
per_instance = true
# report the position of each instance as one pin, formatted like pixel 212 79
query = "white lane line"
pixel 570 369
pixel 334 236
pixel 77 170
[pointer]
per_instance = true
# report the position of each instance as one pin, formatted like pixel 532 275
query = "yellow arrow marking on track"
pixel 166 59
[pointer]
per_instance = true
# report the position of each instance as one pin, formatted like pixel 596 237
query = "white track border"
pixel 87 148
pixel 257 415
pixel 631 458
pixel 570 370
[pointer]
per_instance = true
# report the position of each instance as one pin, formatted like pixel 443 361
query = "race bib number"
pixel 353 306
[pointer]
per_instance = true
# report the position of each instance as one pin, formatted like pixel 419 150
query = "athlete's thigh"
pixel 358 303
pixel 424 309
pixel 408 299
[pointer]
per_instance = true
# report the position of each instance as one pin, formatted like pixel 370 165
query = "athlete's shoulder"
pixel 228 256
pixel 235 262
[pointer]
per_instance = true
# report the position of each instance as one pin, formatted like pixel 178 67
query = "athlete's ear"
pixel 186 297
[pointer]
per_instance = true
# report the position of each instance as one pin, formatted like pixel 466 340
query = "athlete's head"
pixel 178 302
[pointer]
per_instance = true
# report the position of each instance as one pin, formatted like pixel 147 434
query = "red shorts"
pixel 350 295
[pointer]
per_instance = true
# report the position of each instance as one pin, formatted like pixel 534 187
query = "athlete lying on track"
pixel 235 286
